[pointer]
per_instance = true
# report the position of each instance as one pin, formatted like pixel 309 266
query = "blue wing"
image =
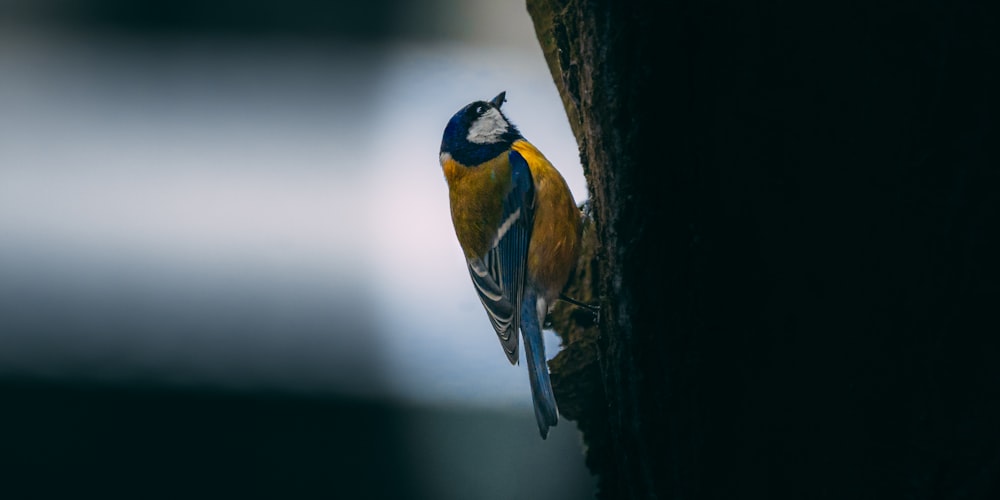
pixel 499 276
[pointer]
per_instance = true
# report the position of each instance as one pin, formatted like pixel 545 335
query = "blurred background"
pixel 226 258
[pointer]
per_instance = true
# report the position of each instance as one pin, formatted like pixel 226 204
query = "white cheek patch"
pixel 488 129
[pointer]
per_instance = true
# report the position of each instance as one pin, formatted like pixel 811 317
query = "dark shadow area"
pixel 317 20
pixel 64 440
pixel 798 207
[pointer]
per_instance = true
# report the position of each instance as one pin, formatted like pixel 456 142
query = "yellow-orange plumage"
pixel 476 196
pixel 553 250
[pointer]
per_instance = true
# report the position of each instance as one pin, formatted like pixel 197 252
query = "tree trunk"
pixel 795 247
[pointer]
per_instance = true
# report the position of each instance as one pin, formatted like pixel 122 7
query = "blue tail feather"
pixel 546 412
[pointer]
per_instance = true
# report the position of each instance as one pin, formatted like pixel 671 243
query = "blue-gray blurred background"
pixel 226 256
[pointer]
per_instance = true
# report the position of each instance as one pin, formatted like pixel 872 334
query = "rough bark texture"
pixel 796 240
pixel 576 374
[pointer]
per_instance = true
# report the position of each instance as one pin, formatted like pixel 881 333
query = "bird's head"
pixel 478 132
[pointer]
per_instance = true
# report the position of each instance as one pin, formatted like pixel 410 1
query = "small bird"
pixel 519 228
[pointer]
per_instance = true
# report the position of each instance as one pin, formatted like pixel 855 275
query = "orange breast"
pixel 476 195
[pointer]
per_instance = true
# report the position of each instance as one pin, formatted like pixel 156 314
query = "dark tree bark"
pixel 796 246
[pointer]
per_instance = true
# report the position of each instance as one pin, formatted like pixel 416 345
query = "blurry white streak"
pixel 186 214
pixel 202 152
pixel 189 214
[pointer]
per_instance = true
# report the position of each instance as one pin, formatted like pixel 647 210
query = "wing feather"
pixel 499 276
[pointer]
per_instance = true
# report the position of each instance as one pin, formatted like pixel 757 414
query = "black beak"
pixel 499 99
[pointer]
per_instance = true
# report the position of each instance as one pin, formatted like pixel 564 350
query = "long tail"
pixel 538 371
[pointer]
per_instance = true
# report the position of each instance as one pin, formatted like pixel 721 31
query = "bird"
pixel 519 229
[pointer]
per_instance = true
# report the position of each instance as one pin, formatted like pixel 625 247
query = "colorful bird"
pixel 519 228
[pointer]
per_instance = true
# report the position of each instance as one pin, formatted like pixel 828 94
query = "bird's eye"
pixel 479 110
